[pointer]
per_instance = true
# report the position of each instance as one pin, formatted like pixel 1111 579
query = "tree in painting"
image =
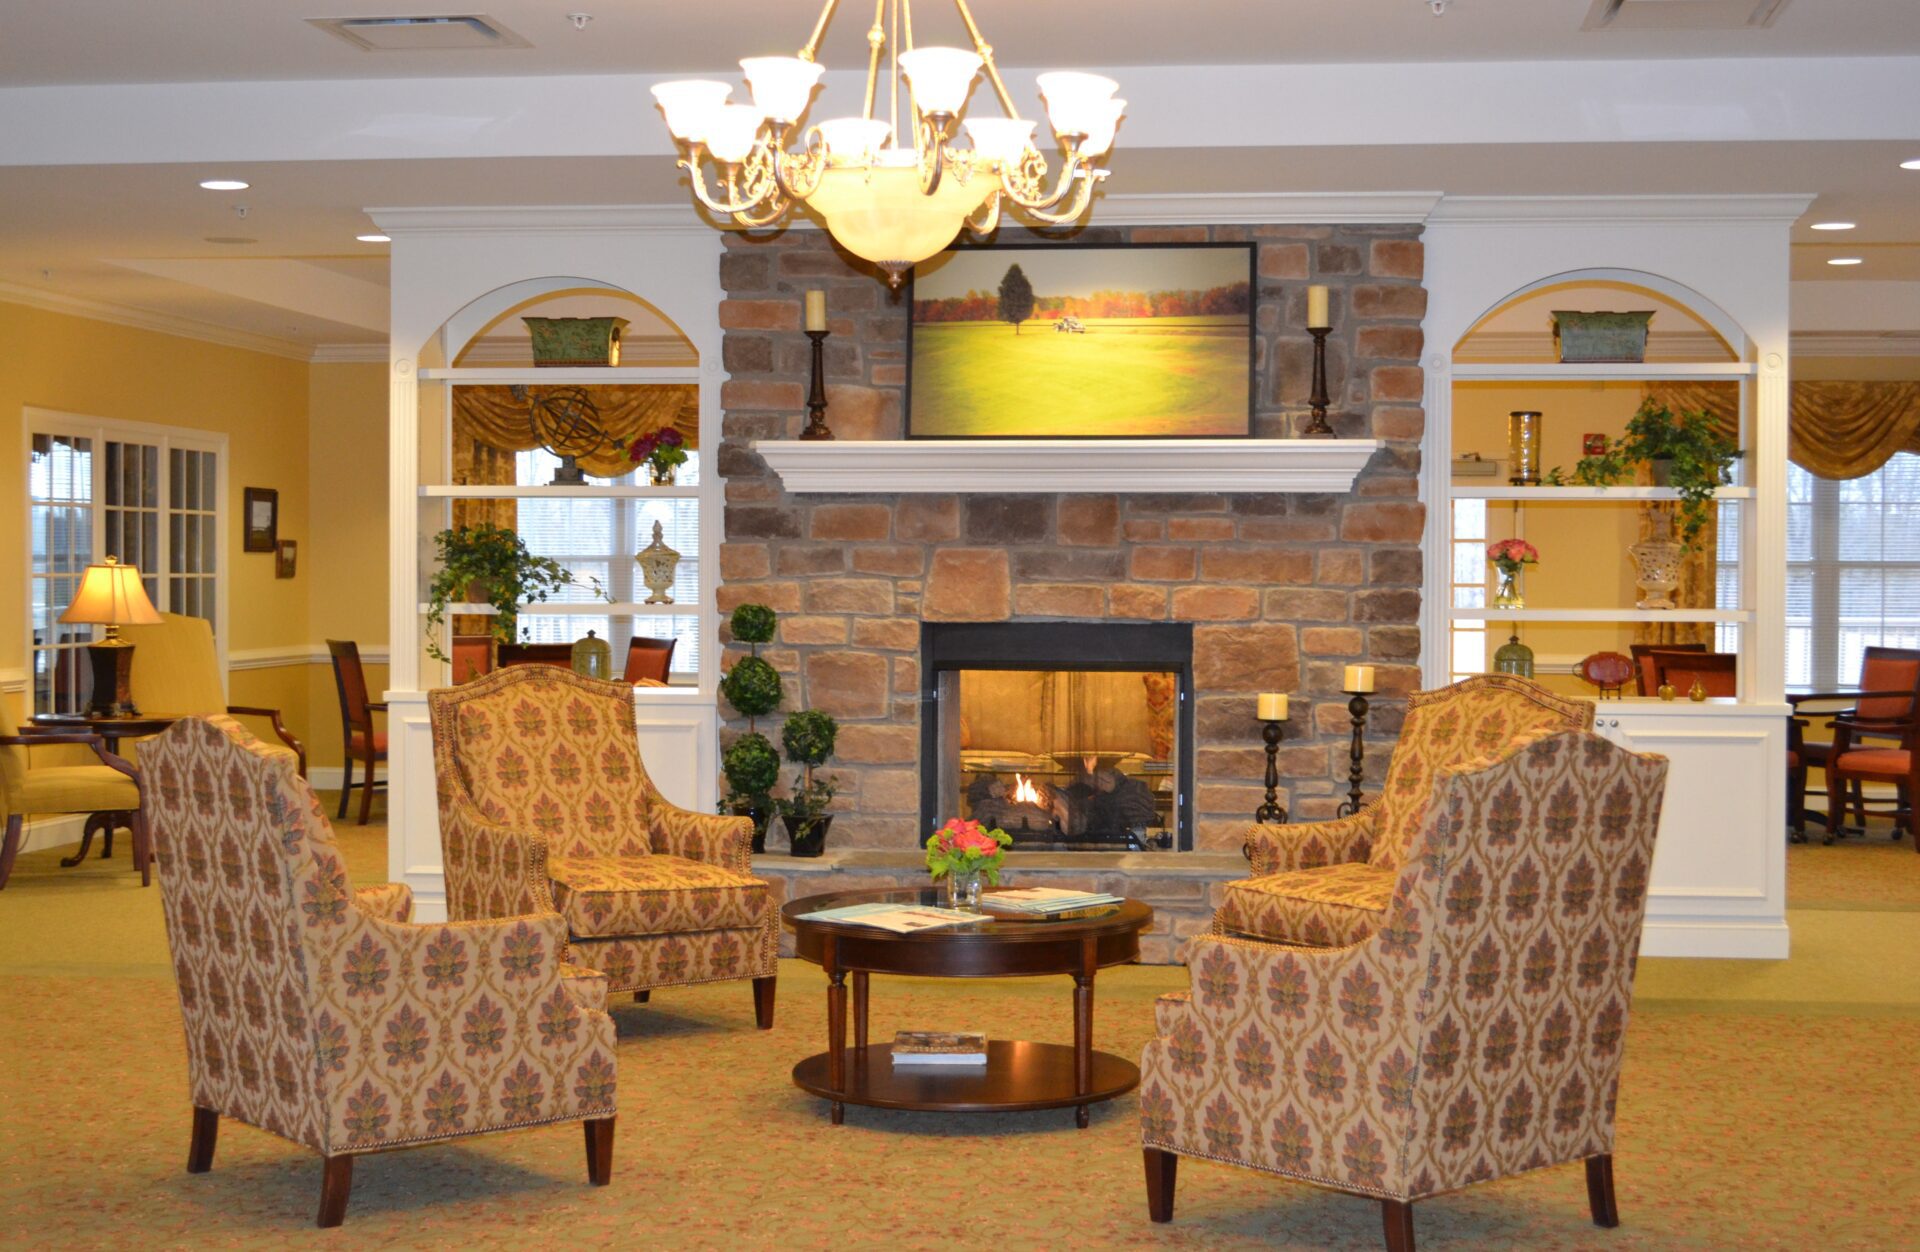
pixel 1016 297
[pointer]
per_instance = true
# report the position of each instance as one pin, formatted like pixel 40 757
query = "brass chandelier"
pixel 891 204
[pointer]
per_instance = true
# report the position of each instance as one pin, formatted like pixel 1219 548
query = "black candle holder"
pixel 817 396
pixel 1271 813
pixel 1357 753
pixel 1318 428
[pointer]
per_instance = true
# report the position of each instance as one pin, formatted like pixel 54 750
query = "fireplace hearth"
pixel 1071 736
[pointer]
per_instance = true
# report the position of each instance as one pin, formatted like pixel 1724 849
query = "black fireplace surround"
pixel 947 648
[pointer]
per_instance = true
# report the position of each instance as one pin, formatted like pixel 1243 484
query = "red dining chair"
pixel 363 743
pixel 649 660
pixel 1718 673
pixel 1646 677
pixel 1882 669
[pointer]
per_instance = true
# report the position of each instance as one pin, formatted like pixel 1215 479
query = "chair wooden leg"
pixel 763 1001
pixel 336 1180
pixel 206 1132
pixel 599 1151
pixel 1606 1212
pixel 346 789
pixel 11 848
pixel 1860 805
pixel 641 997
pixel 142 847
pixel 366 792
pixel 1399 1221
pixel 1162 1169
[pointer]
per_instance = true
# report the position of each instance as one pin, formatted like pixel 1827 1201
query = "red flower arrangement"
pixel 664 449
pixel 967 847
pixel 1511 554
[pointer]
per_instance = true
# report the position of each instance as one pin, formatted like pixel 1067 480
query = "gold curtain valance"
pixel 1834 429
pixel 491 416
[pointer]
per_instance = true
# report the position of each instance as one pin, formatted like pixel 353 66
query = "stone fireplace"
pixel 1276 592
pixel 1071 736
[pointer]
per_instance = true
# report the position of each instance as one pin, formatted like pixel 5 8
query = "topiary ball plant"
pixel 751 765
pixel 752 623
pixel 752 686
pixel 809 737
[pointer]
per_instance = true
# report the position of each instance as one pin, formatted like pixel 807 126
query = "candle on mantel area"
pixel 1358 679
pixel 1317 318
pixel 816 310
pixel 1273 706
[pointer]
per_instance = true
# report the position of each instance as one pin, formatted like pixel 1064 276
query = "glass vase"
pixel 1507 595
pixel 963 890
pixel 660 475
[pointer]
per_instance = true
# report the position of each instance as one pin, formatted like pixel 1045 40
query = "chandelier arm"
pixel 724 208
pixel 988 221
pixel 1030 174
pixel 933 155
pixel 876 40
pixel 798 175
pixel 1086 178
pixel 776 208
pixel 985 50
pixel 819 31
pixel 893 88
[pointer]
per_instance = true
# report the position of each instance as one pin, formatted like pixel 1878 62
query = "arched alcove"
pixel 1685 327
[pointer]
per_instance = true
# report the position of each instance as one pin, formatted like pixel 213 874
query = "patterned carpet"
pixel 1765 1105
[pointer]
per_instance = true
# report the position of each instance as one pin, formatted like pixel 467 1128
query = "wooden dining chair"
pixel 472 657
pixel 364 744
pixel 649 660
pixel 560 654
pixel 1718 673
pixel 1873 722
pixel 1646 678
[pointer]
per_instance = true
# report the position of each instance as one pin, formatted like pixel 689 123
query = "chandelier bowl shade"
pixel 782 86
pixel 878 212
pixel 940 77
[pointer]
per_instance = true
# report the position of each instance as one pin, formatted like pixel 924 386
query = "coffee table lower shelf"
pixel 1018 1075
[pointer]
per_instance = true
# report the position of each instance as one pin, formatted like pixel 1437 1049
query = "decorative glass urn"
pixel 1658 564
pixel 1513 657
pixel 592 657
pixel 1523 448
pixel 657 564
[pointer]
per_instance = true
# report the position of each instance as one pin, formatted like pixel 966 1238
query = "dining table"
pixel 1846 694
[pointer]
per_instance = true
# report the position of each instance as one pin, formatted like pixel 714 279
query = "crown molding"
pixel 350 354
pixel 1620 210
pixel 1692 346
pixel 568 219
pixel 1260 208
pixel 1819 343
pixel 145 319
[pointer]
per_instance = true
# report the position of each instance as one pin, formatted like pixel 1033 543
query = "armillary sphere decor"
pixel 891 204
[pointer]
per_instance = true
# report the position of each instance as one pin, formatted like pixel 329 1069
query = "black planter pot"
pixel 810 839
pixel 761 815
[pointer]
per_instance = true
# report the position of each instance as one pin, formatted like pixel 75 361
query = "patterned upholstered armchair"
pixel 1328 883
pixel 544 804
pixel 1477 1033
pixel 318 1013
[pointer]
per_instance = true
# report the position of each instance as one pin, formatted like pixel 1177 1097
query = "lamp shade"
pixel 1002 139
pixel 111 594
pixel 732 130
pixel 1075 101
pixel 689 105
pixel 782 86
pixel 854 140
pixel 940 77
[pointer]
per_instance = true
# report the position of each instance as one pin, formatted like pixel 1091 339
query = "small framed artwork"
pixel 285 553
pixel 1593 445
pixel 262 519
pixel 1082 341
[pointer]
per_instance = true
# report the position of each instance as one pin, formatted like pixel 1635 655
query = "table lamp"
pixel 111 595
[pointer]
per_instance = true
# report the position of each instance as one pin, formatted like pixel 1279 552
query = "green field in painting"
pixel 1123 377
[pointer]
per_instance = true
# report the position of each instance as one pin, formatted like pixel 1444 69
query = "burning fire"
pixel 1024 791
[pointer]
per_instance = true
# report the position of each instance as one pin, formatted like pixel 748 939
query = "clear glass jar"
pixel 1523 448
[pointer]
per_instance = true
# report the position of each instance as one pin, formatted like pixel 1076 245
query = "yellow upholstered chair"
pixel 176 669
pixel 1475 1034
pixel 317 1012
pixel 544 804
pixel 108 793
pixel 1328 883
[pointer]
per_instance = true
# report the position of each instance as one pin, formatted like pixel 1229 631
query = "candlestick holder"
pixel 1318 428
pixel 1271 813
pixel 817 396
pixel 1357 755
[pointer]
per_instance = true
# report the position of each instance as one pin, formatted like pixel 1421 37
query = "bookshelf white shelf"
pixel 1639 371
pixel 1574 495
pixel 585 375
pixel 592 491
pixel 580 608
pixel 1601 615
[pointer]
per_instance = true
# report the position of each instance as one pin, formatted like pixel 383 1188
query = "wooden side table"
pixel 1018 1074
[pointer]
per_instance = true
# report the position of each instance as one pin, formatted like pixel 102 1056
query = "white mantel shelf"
pixel 947 466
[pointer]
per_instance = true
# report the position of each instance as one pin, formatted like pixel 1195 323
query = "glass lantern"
pixel 1513 657
pixel 1523 447
pixel 593 658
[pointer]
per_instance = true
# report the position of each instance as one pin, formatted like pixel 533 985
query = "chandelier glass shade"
pixel 891 201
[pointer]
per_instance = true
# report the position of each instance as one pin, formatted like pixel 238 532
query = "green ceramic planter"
pixel 1600 338
pixel 575 340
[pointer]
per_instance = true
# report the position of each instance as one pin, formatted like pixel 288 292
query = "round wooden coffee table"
pixel 1018 1074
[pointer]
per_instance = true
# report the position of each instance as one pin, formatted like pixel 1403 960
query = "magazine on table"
pixel 1050 903
pixel 901 919
pixel 939 1047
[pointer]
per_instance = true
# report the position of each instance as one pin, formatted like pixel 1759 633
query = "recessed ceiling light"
pixel 1911 165
pixel 1833 225
pixel 1843 260
pixel 374 238
pixel 225 184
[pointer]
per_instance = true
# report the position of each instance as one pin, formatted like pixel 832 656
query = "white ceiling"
pixel 147 41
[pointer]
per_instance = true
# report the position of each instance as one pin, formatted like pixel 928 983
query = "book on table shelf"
pixel 939 1047
pixel 901 919
pixel 1049 903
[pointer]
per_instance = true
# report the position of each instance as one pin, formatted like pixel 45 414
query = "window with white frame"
pixel 1853 568
pixel 1468 579
pixel 596 538
pixel 151 496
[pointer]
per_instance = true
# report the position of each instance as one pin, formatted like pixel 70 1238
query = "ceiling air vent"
pixel 420 34
pixel 1682 14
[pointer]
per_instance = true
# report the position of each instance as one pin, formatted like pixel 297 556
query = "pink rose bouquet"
pixel 967 847
pixel 1511 554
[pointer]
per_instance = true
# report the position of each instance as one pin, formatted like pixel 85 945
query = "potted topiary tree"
pixel 754 689
pixel 808 737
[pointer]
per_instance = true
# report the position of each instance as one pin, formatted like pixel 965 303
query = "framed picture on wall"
pixel 261 519
pixel 1071 341
pixel 285 556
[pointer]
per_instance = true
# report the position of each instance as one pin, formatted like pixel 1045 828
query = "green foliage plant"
pixel 752 687
pixel 496 558
pixel 752 624
pixel 1698 456
pixel 808 737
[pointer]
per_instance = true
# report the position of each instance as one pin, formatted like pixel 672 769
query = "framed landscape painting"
pixel 1053 341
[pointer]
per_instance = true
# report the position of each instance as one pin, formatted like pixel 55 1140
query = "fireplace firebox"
pixel 1071 736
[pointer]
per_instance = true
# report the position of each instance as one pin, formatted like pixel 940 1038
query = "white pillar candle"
pixel 1358 679
pixel 816 310
pixel 1317 318
pixel 1273 706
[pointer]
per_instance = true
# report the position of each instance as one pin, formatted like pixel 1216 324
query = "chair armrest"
pixel 708 837
pixel 387 901
pixel 1288 983
pixel 40 739
pixel 279 728
pixel 379 707
pixel 492 869
pixel 1276 849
